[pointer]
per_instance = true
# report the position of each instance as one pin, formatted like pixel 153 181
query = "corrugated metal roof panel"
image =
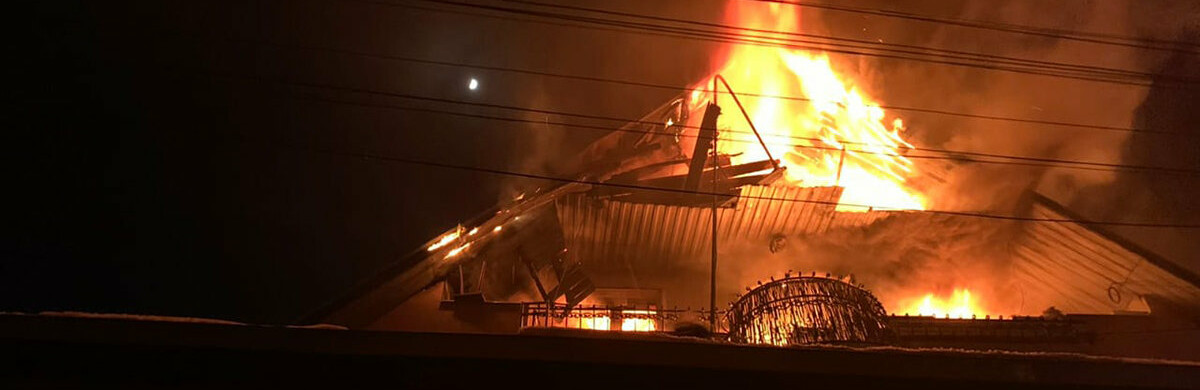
pixel 614 232
pixel 857 219
pixel 1080 269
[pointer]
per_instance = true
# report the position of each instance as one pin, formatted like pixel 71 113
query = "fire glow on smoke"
pixel 958 305
pixel 829 134
pixel 832 135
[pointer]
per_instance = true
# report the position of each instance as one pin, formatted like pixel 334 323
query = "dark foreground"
pixel 60 352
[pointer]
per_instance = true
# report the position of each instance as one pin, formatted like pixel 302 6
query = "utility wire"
pixel 1075 164
pixel 636 121
pixel 434 164
pixel 1032 161
pixel 875 45
pixel 827 47
pixel 651 30
pixel 385 158
pixel 683 88
pixel 1098 38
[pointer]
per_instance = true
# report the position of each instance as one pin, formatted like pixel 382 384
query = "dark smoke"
pixel 919 252
pixel 908 253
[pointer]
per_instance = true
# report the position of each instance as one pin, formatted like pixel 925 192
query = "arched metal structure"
pixel 807 310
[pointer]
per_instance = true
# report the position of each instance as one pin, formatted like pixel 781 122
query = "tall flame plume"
pixel 959 305
pixel 834 135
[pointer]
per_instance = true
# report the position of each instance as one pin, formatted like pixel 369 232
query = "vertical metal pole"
pixel 461 288
pixel 712 286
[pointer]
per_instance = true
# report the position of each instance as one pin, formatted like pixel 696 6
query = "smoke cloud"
pixel 910 254
pixel 906 256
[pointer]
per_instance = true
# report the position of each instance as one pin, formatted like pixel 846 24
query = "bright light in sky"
pixel 473 85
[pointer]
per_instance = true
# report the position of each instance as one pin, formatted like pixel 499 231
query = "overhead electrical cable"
pixel 732 39
pixel 1111 76
pixel 435 164
pixel 951 155
pixel 1090 37
pixel 684 88
pixel 755 32
pixel 624 121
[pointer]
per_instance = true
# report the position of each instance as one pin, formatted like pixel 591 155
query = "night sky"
pixel 166 157
pixel 162 163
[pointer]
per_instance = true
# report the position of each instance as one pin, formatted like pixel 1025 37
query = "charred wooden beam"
pixel 657 170
pixel 724 183
pixel 704 142
pixel 729 187
pixel 639 173
pixel 706 178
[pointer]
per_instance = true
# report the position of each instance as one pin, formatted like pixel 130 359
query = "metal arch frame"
pixel 807 310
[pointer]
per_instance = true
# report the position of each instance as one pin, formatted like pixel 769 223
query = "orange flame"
pixel 444 240
pixel 635 324
pixel 598 323
pixel 960 305
pixel 628 324
pixel 833 136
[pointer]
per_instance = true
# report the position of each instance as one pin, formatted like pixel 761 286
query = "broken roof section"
pixel 640 202
pixel 1083 268
pixel 643 161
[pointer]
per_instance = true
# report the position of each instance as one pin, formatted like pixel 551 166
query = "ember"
pixel 445 240
pixel 456 251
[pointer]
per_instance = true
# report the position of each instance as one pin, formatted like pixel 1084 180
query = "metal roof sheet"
pixel 1082 269
pixel 606 232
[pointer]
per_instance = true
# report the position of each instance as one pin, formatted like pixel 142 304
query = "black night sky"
pixel 165 157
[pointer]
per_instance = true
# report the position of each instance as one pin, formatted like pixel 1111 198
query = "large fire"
pixel 837 137
pixel 631 321
pixel 834 135
pixel 959 305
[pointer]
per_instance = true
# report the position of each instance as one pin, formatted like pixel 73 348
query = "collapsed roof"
pixel 640 207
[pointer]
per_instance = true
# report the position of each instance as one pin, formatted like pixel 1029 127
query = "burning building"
pixel 676 220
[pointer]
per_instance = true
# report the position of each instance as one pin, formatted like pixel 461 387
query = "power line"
pixel 637 121
pixel 641 187
pixel 371 156
pixel 1049 162
pixel 693 34
pixel 1098 38
pixel 1032 161
pixel 871 44
pixel 679 88
pixel 643 29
